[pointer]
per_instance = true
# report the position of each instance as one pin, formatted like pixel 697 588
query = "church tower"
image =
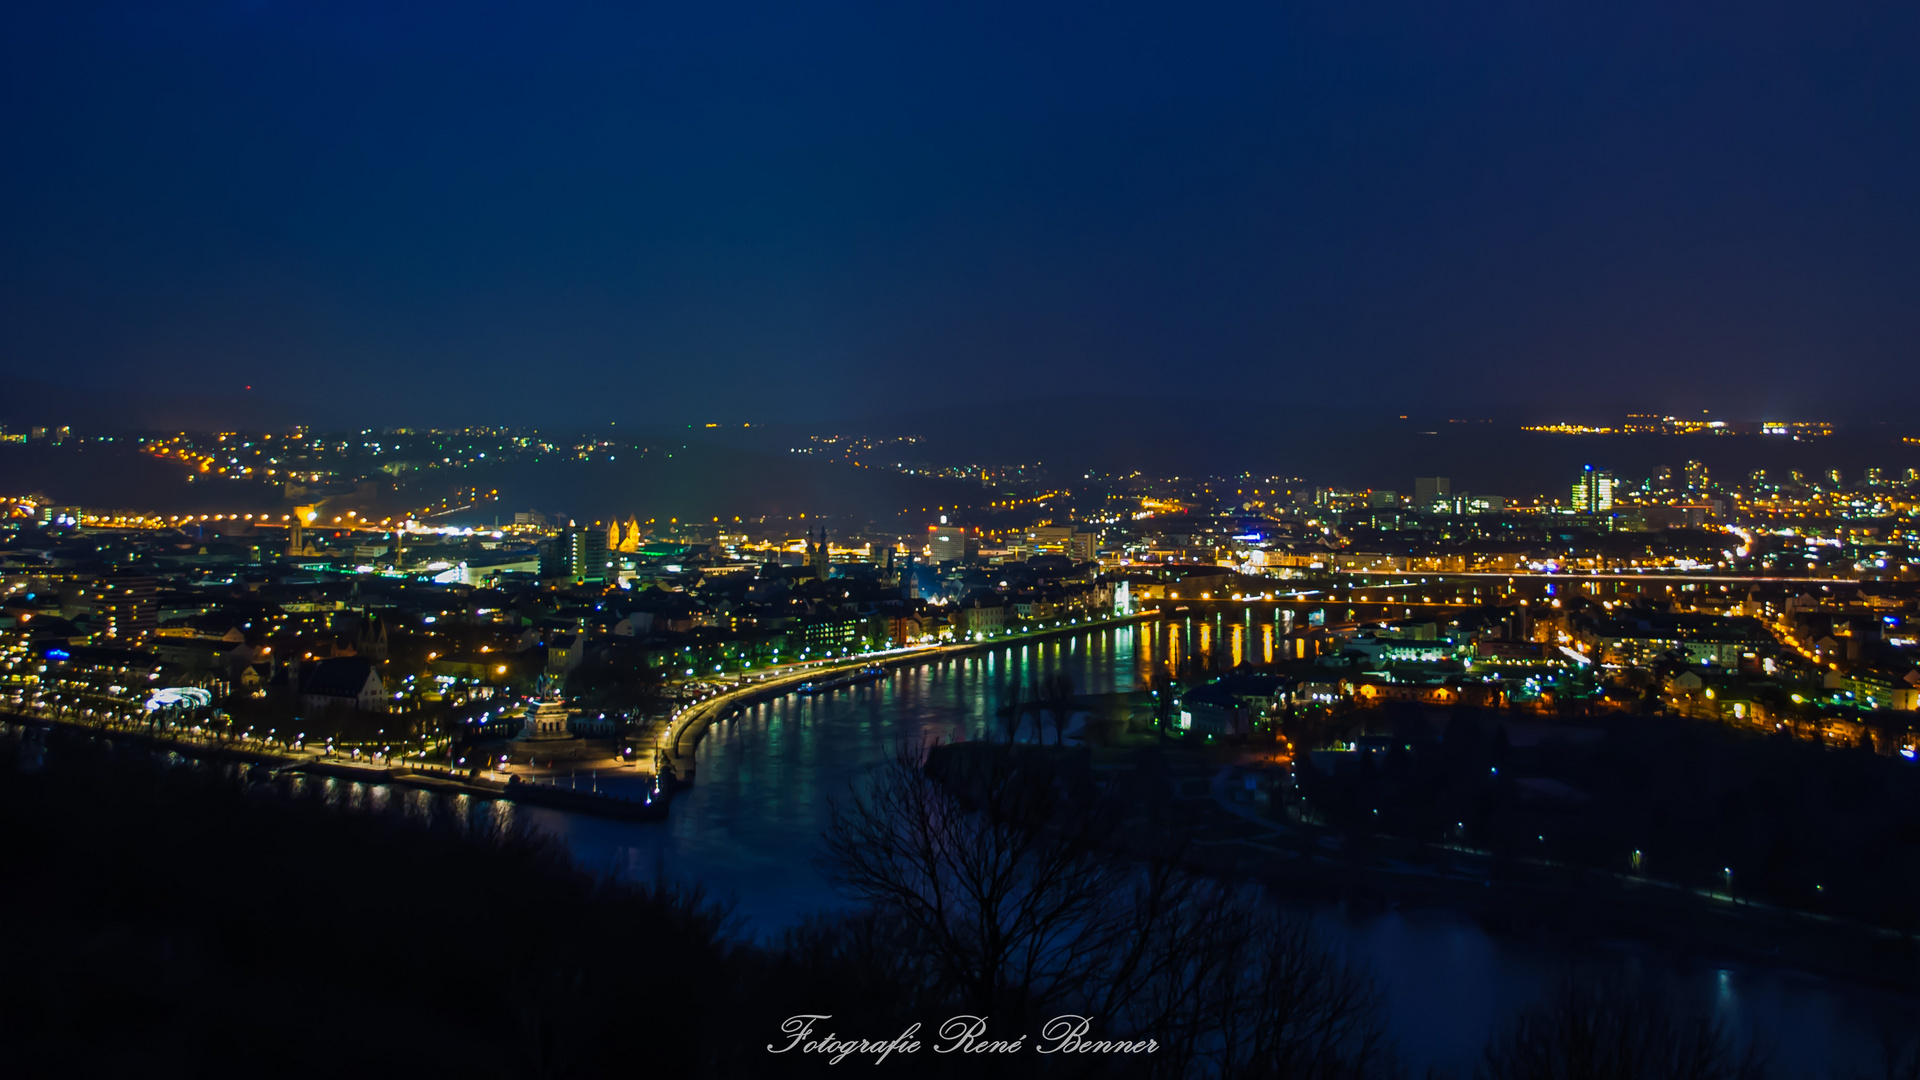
pixel 297 535
pixel 372 639
pixel 817 556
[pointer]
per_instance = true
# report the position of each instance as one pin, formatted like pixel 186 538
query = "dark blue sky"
pixel 567 212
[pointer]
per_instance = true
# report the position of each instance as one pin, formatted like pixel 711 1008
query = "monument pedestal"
pixel 544 736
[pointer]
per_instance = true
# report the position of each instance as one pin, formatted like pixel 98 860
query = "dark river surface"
pixel 749 828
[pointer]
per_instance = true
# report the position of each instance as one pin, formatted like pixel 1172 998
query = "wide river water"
pixel 749 828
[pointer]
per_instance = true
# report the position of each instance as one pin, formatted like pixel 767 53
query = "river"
pixel 748 829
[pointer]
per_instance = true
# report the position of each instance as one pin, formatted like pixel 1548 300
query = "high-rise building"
pixel 1428 490
pixel 1064 540
pixel 580 556
pixel 1083 546
pixel 1593 491
pixel 947 543
pixel 1696 474
pixel 125 607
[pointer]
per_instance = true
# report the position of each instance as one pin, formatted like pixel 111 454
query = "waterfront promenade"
pixel 670 764
pixel 672 744
pixel 281 759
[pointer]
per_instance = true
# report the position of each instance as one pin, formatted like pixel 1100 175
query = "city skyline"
pixel 1094 540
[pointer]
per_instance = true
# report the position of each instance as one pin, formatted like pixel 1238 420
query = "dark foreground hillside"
pixel 171 920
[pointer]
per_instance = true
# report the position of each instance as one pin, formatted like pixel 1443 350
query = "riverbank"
pixel 677 743
pixel 439 779
pixel 1451 973
pixel 1176 804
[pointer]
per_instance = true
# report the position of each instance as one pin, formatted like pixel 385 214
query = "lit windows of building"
pixel 949 543
pixel 1593 491
pixel 1696 476
pixel 125 608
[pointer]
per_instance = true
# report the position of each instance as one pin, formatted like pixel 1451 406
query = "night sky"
pixel 564 212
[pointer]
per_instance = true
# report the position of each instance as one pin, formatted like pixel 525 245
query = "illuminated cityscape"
pixel 1609 598
pixel 368 609
pixel 587 541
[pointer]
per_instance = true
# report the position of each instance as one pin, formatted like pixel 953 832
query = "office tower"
pixel 1696 474
pixel 581 556
pixel 1428 490
pixel 1593 491
pixel 1066 540
pixel 947 543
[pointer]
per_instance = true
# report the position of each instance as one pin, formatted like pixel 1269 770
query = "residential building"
pixel 124 607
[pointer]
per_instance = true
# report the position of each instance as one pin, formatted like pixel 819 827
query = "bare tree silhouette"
pixel 1053 699
pixel 990 862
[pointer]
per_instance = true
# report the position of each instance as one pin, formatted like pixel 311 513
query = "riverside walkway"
pixel 673 743
pixel 280 759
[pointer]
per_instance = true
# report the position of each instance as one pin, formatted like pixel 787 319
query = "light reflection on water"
pixel 764 778
pixel 1449 984
pixel 749 828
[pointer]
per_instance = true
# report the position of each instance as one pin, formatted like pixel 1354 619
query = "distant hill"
pixel 117 477
pixel 1225 434
pixel 694 483
pixel 702 481
pixel 1211 431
